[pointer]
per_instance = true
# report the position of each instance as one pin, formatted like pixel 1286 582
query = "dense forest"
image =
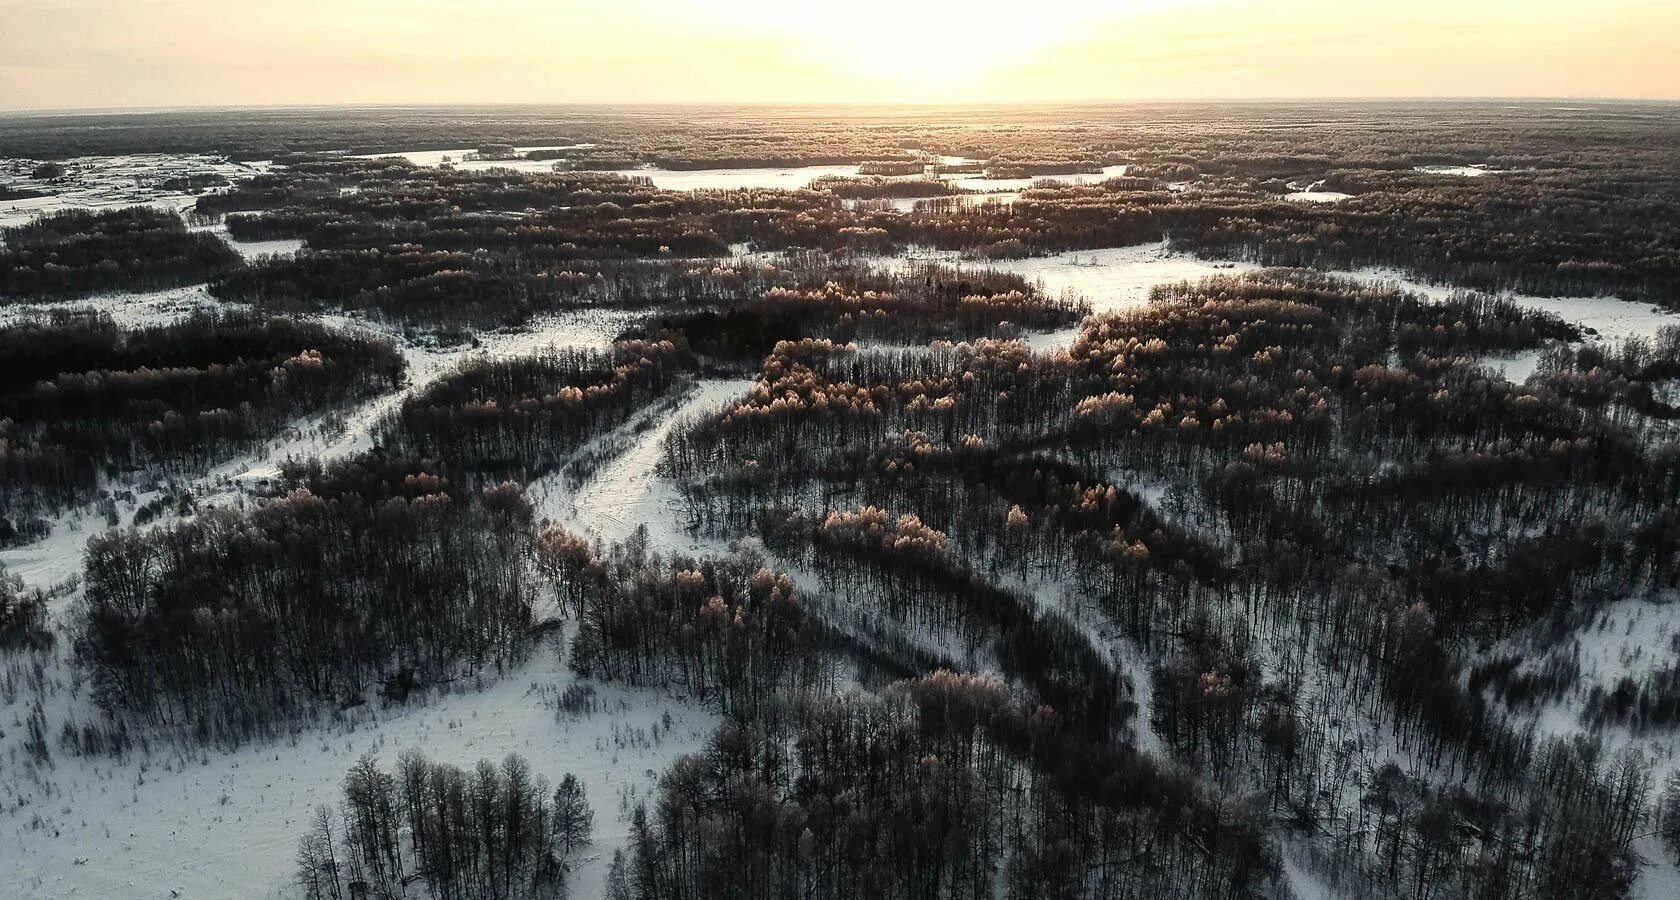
pixel 76 252
pixel 371 578
pixel 1286 398
pixel 521 416
pixel 82 398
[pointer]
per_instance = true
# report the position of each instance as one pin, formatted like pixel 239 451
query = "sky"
pixel 57 54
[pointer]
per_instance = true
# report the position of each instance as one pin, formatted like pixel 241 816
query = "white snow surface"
pixel 1122 278
pixel 1667 391
pixel 276 247
pixel 127 310
pixel 1315 196
pixel 629 491
pixel 111 182
pixel 1475 171
pixel 790 178
pixel 1515 367
pixel 987 184
pixel 1311 194
pixel 1114 279
pixel 458 158
pixel 1609 318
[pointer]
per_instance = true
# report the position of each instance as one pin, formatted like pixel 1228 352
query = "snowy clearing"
pixel 110 182
pixel 102 828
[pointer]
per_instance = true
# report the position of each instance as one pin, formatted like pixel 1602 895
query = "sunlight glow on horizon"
pixel 116 53
pixel 942 41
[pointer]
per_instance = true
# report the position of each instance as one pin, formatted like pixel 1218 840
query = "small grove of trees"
pixel 77 252
pixel 731 631
pixel 23 614
pixel 492 833
pixel 363 577
pixel 911 572
pixel 517 416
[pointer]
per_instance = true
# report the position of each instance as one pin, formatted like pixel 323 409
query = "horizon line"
pixel 50 112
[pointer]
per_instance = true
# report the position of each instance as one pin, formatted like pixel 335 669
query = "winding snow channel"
pixel 628 491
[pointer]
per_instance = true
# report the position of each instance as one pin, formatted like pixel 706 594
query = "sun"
pixel 925 46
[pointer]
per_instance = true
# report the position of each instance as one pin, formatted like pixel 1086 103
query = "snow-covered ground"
pixel 127 310
pixel 108 182
pixel 628 491
pixel 789 178
pixel 1515 367
pixel 339 434
pixel 248 249
pixel 1114 279
pixel 1107 280
pixel 1303 883
pixel 1630 638
pixel 1667 392
pixel 979 183
pixel 1659 879
pixel 57 558
pixel 1311 194
pixel 276 247
pixel 946 203
pixel 1476 171
pixel 1610 318
pixel 458 158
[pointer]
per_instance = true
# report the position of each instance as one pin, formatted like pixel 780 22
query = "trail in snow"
pixel 628 491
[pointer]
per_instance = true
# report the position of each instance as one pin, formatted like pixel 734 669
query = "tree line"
pixel 77 252
pixel 81 397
